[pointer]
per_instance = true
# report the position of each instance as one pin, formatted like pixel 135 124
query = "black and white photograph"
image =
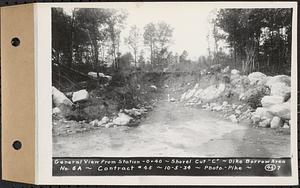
pixel 183 81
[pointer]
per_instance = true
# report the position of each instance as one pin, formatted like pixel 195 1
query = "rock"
pixel 109 78
pixel 183 96
pixel 257 78
pixel 233 118
pixel 242 96
pixel 234 71
pixel 267 101
pixel 105 119
pixel 286 126
pixel 190 93
pixel 108 125
pixel 59 98
pixel 239 107
pixel 93 75
pixel 69 94
pixel 94 122
pixel 81 95
pixel 238 111
pixel 225 103
pixel 134 112
pixel 56 111
pixel 279 78
pixel 255 119
pixel 276 122
pixel 172 100
pixel 217 108
pixel 265 123
pixel 280 89
pixel 262 113
pixel 281 110
pixel 122 119
pixel 153 87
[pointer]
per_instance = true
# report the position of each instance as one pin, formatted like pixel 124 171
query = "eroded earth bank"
pixel 216 113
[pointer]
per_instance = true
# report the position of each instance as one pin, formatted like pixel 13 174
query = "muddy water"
pixel 174 130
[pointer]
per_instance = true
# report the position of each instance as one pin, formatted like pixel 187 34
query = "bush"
pixel 254 95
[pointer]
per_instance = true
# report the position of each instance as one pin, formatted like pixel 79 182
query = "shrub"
pixel 254 95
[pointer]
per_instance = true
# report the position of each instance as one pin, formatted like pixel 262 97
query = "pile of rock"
pixel 99 123
pixel 121 120
pixel 269 96
pixel 275 110
pixel 233 112
pixel 124 118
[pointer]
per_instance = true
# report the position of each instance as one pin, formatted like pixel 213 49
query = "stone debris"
pixel 59 98
pixel 81 95
pixel 281 110
pixel 268 101
pixel 122 119
pixel 94 75
pixel 233 118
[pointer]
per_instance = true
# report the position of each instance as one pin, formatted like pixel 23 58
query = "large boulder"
pixel 257 78
pixel 276 122
pixel 267 101
pixel 93 75
pixel 280 89
pixel 81 95
pixel 262 113
pixel 122 119
pixel 59 98
pixel 279 78
pixel 281 110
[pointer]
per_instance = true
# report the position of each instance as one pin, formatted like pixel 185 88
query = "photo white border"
pixel 44 103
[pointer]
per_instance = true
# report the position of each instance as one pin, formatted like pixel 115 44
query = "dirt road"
pixel 174 130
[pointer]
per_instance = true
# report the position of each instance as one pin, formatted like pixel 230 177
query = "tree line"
pixel 260 39
pixel 90 38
